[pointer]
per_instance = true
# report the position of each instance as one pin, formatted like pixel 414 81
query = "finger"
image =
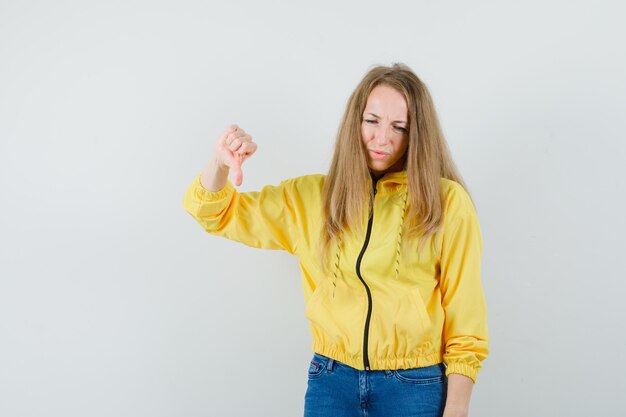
pixel 247 148
pixel 238 141
pixel 228 131
pixel 235 145
pixel 240 134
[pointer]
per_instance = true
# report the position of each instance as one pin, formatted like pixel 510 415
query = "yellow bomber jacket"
pixel 380 308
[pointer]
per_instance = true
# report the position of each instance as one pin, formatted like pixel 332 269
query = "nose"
pixel 382 135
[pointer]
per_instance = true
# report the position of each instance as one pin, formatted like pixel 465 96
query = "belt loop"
pixel 331 361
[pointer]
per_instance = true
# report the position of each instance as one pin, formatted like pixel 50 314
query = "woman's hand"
pixel 232 148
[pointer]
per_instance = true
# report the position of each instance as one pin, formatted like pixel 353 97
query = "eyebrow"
pixel 378 117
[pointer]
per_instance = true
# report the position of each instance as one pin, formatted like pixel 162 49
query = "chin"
pixel 379 168
pixel 386 166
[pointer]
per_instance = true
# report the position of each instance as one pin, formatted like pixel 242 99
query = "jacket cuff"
pixel 206 195
pixel 463 369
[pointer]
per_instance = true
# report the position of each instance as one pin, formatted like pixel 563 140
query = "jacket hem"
pixel 376 363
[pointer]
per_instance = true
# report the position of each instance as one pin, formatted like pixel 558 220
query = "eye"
pixel 402 129
pixel 370 121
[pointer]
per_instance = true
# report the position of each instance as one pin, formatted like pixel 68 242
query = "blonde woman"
pixel 390 249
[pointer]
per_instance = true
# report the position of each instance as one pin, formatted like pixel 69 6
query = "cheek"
pixel 404 144
pixel 363 134
pixel 366 133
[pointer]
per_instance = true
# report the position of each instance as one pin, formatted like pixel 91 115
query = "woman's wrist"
pixel 452 412
pixel 458 395
pixel 214 176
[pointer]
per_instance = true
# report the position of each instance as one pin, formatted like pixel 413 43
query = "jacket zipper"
pixel 366 361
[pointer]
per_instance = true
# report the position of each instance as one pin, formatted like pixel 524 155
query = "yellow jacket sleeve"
pixel 261 219
pixel 465 327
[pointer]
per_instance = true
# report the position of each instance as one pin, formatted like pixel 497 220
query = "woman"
pixel 390 248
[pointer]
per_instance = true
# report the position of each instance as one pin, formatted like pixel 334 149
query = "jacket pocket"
pixel 423 316
pixel 313 301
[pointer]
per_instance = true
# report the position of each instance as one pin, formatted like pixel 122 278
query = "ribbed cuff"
pixel 206 195
pixel 463 369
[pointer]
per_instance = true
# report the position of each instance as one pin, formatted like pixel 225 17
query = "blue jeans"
pixel 338 390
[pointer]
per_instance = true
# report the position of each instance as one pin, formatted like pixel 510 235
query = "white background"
pixel 114 302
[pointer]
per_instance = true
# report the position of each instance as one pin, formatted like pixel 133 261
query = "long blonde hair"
pixel 347 187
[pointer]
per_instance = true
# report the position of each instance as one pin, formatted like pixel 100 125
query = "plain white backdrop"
pixel 114 302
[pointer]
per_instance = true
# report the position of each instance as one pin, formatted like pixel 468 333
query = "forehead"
pixel 386 101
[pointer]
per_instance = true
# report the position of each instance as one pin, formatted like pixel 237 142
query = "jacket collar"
pixel 391 180
pixel 397 177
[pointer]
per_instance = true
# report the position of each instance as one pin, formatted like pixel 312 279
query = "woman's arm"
pixel 465 327
pixel 458 398
pixel 268 218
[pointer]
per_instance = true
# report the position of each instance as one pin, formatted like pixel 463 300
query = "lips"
pixel 378 154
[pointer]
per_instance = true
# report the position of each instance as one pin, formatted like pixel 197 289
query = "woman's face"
pixel 384 130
